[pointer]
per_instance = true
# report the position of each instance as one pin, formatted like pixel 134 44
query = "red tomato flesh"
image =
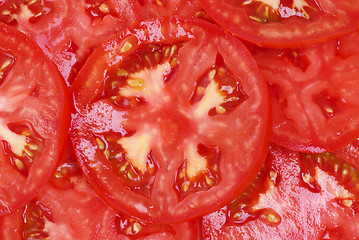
pixel 167 122
pixel 34 118
pixel 66 39
pixel 314 94
pixel 161 8
pixel 296 196
pixel 283 23
pixel 59 212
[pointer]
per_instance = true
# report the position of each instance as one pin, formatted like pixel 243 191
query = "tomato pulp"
pixel 283 23
pixel 167 122
pixel 34 118
pixel 69 40
pixel 295 196
pixel 54 214
pixel 314 94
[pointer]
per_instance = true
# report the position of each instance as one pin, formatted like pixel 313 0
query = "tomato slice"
pixel 160 8
pixel 59 212
pixel 283 23
pixel 167 122
pixel 34 118
pixel 296 196
pixel 69 40
pixel 314 94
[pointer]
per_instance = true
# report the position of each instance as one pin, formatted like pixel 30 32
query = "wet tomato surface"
pixel 170 154
pixel 34 118
pixel 67 208
pixel 295 196
pixel 284 23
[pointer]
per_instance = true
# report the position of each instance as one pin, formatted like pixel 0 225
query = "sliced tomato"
pixel 59 212
pixel 34 118
pixel 296 196
pixel 283 23
pixel 168 123
pixel 69 40
pixel 160 8
pixel 314 93
pixel 350 153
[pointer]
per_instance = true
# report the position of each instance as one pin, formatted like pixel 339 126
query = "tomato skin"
pixel 41 105
pixel 98 116
pixel 288 33
pixel 299 211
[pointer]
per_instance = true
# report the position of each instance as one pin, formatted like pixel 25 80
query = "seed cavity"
pixel 21 145
pixel 199 171
pixel 217 92
pixel 118 149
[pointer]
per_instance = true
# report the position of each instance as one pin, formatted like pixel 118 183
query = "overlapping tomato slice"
pixel 314 94
pixel 284 23
pixel 68 31
pixel 160 8
pixel 34 118
pixel 61 211
pixel 296 196
pixel 172 117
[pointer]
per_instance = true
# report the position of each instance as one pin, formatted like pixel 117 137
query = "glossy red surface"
pixel 170 127
pixel 295 196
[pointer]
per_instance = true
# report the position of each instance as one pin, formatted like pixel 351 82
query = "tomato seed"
pixel 26 132
pixel 185 187
pixel 159 3
pixel 126 47
pixel 209 181
pixel 100 144
pixel 58 175
pixel 123 168
pixel 174 62
pixel 220 110
pixel 272 218
pixel 136 83
pixel 136 227
pixel 28 152
pixel 31 2
pixel 19 164
pixel 122 73
pixel 104 8
pixel 347 202
pixel 33 146
pixel 107 153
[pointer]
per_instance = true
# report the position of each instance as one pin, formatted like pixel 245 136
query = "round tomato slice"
pixel 314 94
pixel 55 215
pixel 160 8
pixel 69 40
pixel 295 196
pixel 168 120
pixel 282 23
pixel 34 118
